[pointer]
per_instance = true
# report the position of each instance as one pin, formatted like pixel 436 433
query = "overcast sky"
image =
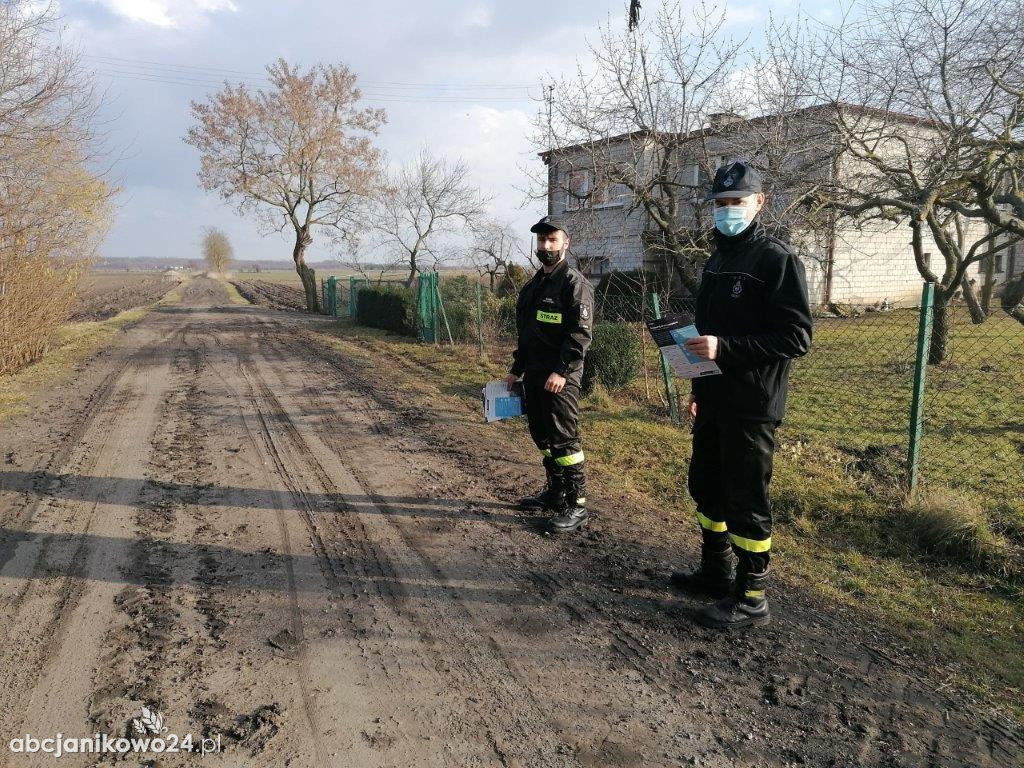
pixel 455 75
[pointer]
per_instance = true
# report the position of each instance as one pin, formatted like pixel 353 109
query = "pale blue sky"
pixel 153 56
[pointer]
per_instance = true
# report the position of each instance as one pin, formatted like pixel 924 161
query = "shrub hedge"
pixel 391 307
pixel 614 358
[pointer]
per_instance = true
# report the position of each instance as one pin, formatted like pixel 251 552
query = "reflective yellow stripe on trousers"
pixel 751 545
pixel 711 525
pixel 568 461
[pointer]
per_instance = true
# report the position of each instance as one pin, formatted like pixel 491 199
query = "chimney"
pixel 719 120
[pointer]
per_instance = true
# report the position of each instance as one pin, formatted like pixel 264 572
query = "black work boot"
pixel 553 494
pixel 747 606
pixel 714 576
pixel 574 514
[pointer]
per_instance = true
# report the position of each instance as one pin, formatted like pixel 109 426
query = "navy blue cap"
pixel 735 179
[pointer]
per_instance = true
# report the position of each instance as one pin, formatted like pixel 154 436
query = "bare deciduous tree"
pixel 425 199
pixel 936 135
pixel 53 208
pixel 217 250
pixel 495 248
pixel 299 154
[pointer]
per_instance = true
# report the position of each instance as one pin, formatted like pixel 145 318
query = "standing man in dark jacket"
pixel 554 315
pixel 754 318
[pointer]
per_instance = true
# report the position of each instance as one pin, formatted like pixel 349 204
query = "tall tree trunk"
pixel 413 270
pixel 306 274
pixel 989 284
pixel 940 327
pixel 974 305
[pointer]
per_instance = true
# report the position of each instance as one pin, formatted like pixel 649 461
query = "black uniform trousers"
pixel 554 426
pixel 730 470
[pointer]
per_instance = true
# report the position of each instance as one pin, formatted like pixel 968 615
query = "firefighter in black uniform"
pixel 554 316
pixel 753 315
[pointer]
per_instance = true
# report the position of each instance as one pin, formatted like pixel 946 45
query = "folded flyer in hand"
pixel 670 334
pixel 500 401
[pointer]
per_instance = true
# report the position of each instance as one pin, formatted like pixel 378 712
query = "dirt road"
pixel 262 540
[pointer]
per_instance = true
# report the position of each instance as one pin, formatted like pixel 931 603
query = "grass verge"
pixel 233 295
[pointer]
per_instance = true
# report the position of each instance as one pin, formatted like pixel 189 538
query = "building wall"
pixel 876 262
pixel 605 237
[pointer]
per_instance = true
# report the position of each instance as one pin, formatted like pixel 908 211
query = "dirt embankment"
pixel 274 542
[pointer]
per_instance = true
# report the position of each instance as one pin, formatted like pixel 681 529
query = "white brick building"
pixel 851 265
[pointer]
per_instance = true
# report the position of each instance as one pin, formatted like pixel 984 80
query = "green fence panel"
pixel 426 305
pixel 332 296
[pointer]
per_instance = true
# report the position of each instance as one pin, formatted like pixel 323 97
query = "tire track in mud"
pixel 298 629
pixel 491 672
pixel 371 569
pixel 69 556
pixel 63 576
pixel 159 606
pixel 262 440
pixel 359 578
pixel 73 456
pixel 171 639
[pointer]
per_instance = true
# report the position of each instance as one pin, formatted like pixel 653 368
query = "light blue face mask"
pixel 732 219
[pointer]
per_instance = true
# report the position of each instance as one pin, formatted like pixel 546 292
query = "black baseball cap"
pixel 735 179
pixel 549 224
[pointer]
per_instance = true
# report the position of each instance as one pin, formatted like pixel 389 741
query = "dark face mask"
pixel 548 258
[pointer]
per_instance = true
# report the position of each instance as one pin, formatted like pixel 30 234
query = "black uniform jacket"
pixel 554 318
pixel 753 297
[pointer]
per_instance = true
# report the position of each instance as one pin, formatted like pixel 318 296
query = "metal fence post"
pixel 666 373
pixel 440 305
pixel 924 336
pixel 480 315
pixel 332 296
pixel 435 293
